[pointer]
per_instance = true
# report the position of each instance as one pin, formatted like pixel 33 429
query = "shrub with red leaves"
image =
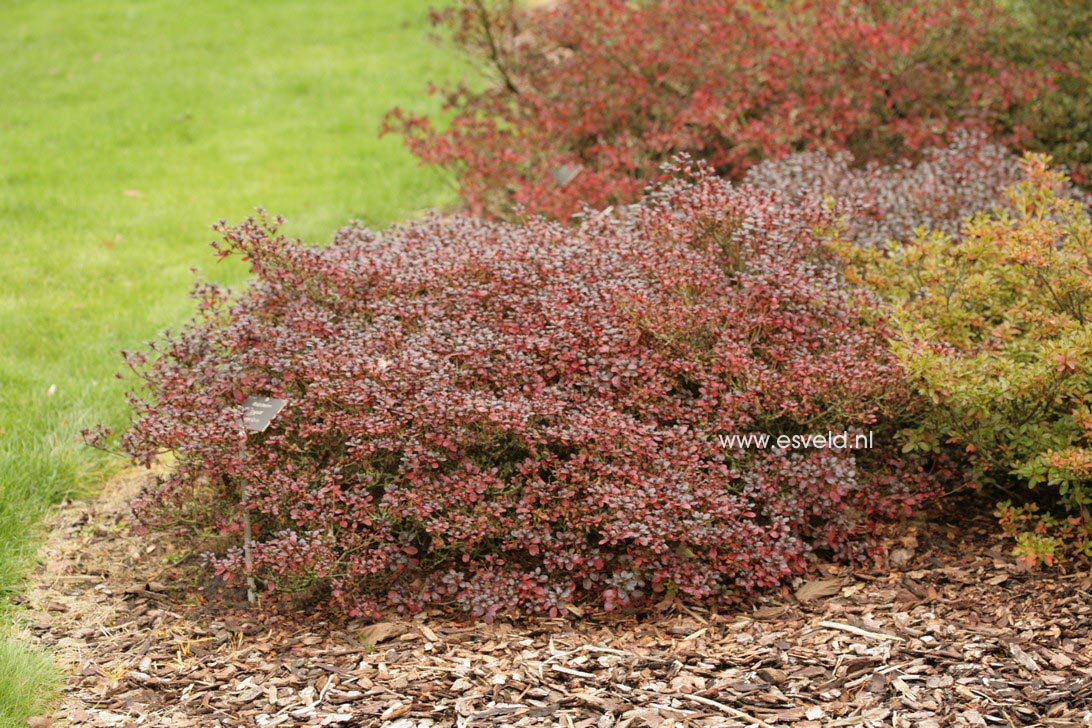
pixel 880 203
pixel 591 98
pixel 504 418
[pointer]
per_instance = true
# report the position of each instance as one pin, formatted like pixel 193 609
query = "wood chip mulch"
pixel 948 631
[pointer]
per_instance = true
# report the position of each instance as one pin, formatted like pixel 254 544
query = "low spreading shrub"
pixel 879 203
pixel 495 418
pixel 591 98
pixel 995 329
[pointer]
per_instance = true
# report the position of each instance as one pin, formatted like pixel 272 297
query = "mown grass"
pixel 28 681
pixel 125 130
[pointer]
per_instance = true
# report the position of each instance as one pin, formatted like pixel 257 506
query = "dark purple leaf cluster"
pixel 884 202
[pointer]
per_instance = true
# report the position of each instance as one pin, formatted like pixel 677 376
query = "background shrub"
pixel 995 330
pixel 608 91
pixel 495 418
pixel 1057 35
pixel 879 203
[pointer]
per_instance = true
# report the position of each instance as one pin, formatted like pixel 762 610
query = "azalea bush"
pixel 587 100
pixel 995 329
pixel 502 418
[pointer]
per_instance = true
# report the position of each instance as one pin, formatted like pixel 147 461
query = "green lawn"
pixel 126 129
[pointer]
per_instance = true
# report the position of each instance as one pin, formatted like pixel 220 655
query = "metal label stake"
pixel 258 412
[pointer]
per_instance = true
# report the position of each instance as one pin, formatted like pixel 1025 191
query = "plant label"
pixel 258 412
pixel 565 174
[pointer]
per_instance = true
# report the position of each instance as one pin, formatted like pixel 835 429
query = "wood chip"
pixel 860 632
pixel 818 589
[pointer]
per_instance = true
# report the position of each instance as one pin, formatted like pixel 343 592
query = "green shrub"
pixel 995 330
pixel 1058 34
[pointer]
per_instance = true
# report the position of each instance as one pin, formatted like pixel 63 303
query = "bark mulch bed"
pixel 950 631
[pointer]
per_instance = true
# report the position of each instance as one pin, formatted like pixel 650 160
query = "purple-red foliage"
pixel 880 203
pixel 615 88
pixel 496 418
